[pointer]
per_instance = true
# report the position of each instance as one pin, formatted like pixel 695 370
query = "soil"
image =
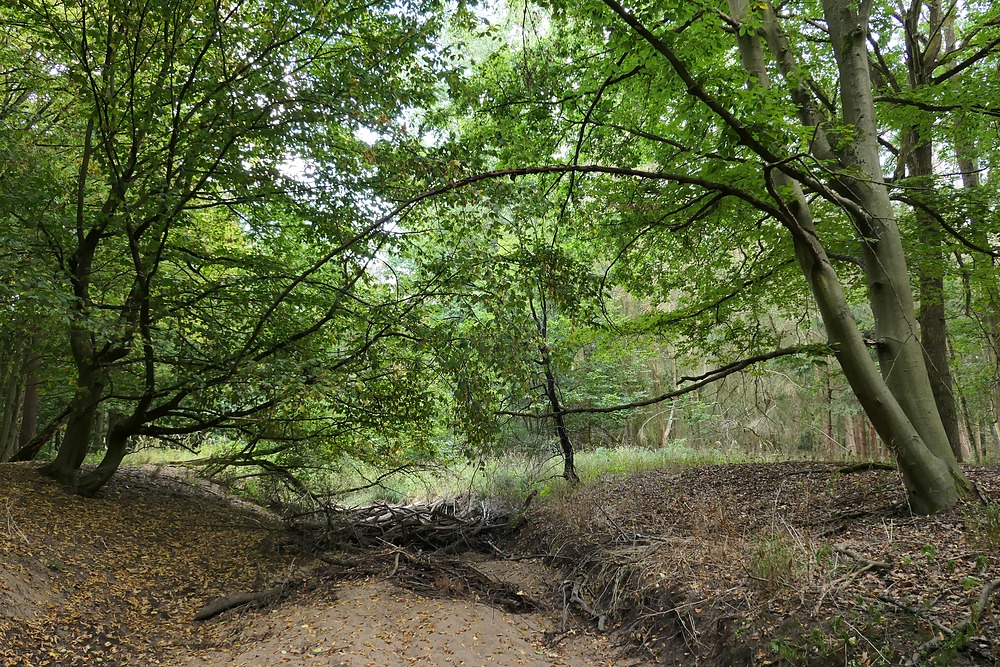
pixel 792 563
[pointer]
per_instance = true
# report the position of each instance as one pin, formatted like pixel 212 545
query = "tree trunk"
pixel 898 400
pixel 901 357
pixel 934 333
pixel 922 57
pixel 117 447
pixel 29 404
pixel 12 400
pixel 552 393
pixel 79 427
pixel 30 449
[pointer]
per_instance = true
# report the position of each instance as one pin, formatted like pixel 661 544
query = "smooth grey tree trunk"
pixel 896 395
pixel 901 357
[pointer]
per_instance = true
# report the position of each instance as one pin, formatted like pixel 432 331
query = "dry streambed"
pixel 746 564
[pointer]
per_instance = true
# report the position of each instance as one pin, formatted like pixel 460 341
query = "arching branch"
pixel 697 383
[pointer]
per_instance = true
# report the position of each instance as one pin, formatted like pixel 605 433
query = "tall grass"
pixel 508 478
pixel 513 477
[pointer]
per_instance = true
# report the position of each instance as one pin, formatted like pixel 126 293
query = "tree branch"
pixel 700 381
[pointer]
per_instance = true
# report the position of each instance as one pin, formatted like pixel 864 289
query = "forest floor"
pixel 787 563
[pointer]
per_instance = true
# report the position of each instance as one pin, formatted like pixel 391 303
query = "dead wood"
pixel 964 628
pixel 220 605
pixel 867 564
pixel 453 578
pixel 444 527
pixel 865 467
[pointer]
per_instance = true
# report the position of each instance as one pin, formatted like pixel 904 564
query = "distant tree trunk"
pixel 12 401
pixel 29 404
pixel 850 439
pixel 861 433
pixel 552 392
pixel 828 413
pixel 970 431
pixel 12 372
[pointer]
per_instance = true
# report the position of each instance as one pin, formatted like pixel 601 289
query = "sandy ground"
pixel 117 581
pixel 373 623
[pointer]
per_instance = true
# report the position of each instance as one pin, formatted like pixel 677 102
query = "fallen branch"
pixel 865 467
pixel 220 605
pixel 969 624
pixel 868 564
pixel 442 527
pixel 842 582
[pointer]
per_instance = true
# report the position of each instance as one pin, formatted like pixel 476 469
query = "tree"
pixel 651 95
pixel 193 273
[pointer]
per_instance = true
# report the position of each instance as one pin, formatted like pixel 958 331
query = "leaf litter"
pixel 791 563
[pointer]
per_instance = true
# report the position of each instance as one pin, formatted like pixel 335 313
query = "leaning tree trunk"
pixel 932 483
pixel 79 427
pixel 117 447
pixel 898 400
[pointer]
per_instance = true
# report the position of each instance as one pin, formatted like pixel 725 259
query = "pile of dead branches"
pixel 443 527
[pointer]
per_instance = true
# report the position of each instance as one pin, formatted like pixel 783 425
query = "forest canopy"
pixel 405 230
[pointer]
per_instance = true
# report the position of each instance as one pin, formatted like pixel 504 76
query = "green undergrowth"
pixel 510 479
pixel 982 524
pixel 505 479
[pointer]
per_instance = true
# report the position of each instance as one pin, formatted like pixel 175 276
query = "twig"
pixel 868 564
pixel 12 528
pixel 922 613
pixel 970 622
pixel 395 566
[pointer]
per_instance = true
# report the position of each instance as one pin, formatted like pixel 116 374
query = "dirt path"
pixel 372 623
pixel 754 564
pixel 117 581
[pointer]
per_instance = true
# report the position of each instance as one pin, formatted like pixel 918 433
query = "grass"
pixel 509 479
pixel 506 479
pixel 148 453
pixel 982 524
pixel 776 560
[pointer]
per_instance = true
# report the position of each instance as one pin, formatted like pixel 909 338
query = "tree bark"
pixel 898 400
pixel 900 354
pixel 565 444
pixel 79 426
pixel 117 447
pixel 922 57
pixel 29 402
pixel 13 399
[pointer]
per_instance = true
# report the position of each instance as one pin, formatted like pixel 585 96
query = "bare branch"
pixel 700 381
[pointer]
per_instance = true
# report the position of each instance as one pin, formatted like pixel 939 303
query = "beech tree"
pixel 677 126
pixel 201 216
